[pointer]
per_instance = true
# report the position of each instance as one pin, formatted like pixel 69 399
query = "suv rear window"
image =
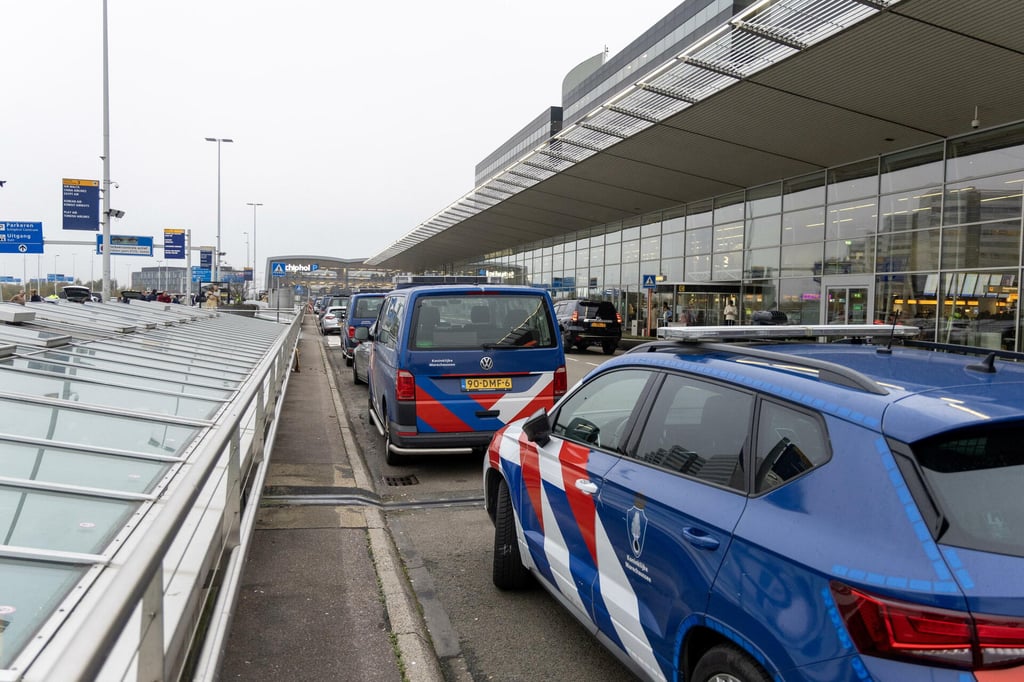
pixel 975 477
pixel 482 321
pixel 604 310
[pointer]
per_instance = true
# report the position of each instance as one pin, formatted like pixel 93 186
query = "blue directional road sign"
pixel 19 237
pixel 174 244
pixel 650 281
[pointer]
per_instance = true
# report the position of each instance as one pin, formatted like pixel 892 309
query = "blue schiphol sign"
pixel 19 237
pixel 174 244
pixel 81 204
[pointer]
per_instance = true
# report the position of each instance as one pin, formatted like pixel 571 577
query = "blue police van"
pixel 452 364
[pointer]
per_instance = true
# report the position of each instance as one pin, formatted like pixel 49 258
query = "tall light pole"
pixel 255 260
pixel 55 257
pixel 216 256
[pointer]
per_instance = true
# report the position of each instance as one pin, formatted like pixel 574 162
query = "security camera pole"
pixel 105 205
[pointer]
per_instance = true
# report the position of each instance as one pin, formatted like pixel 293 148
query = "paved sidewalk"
pixel 323 594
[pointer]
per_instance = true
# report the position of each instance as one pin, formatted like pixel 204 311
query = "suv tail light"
pixel 618 317
pixel 405 385
pixel 898 630
pixel 575 316
pixel 561 383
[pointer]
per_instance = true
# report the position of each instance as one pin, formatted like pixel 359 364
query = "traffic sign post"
pixel 21 237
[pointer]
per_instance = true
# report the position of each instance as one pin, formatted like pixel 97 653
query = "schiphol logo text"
pixel 296 267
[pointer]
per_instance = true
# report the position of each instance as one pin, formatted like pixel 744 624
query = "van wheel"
pixel 726 663
pixel 507 570
pixel 391 458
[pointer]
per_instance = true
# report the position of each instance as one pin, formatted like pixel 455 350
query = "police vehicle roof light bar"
pixel 786 331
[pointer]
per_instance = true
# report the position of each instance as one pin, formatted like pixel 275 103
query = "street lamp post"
pixel 255 260
pixel 160 275
pixel 55 257
pixel 216 256
pixel 244 285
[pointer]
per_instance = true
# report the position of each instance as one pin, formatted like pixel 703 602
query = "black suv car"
pixel 586 323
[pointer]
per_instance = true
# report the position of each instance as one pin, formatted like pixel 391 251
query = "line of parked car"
pixel 748 503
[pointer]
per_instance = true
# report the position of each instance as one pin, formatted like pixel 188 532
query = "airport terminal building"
pixel 837 160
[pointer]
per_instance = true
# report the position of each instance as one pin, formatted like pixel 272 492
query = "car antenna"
pixel 888 347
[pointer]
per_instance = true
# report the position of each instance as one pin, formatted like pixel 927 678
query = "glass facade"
pixel 931 234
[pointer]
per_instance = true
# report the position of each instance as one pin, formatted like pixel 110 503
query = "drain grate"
pixel 401 480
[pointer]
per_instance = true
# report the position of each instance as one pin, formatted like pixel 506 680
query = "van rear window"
pixel 482 321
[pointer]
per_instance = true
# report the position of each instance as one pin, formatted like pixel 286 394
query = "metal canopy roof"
pixel 787 87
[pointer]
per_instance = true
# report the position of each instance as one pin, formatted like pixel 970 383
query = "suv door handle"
pixel 699 538
pixel 585 486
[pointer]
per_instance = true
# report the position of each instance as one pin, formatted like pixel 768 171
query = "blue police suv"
pixel 721 507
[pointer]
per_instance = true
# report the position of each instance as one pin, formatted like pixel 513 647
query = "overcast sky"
pixel 352 122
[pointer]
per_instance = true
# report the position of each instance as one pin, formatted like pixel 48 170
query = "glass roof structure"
pixel 128 437
pixel 767 32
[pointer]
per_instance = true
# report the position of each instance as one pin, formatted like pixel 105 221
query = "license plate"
pixel 487 384
pixel 597 324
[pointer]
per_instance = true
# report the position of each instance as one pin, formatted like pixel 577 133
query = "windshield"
pixel 976 477
pixel 474 321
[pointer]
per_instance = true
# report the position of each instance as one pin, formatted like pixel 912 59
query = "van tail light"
pixel 575 316
pixel 898 630
pixel 561 382
pixel 351 332
pixel 405 385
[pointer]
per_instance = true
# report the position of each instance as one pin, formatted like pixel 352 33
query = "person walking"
pixel 666 314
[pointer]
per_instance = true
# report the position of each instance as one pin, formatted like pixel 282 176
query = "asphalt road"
pixel 434 508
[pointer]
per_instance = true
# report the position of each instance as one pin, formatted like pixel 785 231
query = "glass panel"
pixel 994 198
pixel 908 251
pixel 60 522
pixel 73 467
pixel 673 244
pixel 672 268
pixel 90 428
pixel 674 224
pixel 854 180
pixel 599 253
pixel 698 214
pixel 800 299
pixel 92 393
pixel 650 248
pixel 800 227
pixel 698 268
pixel 984 153
pixel 848 256
pixel 849 221
pixel 729 208
pixel 910 210
pixel 800 261
pixel 630 251
pixel 32 591
pixel 727 267
pixel 651 226
pixel 803 192
pixel 764 200
pixel 698 241
pixel 976 246
pixel 762 263
pixel 764 231
pixel 921 167
pixel 728 237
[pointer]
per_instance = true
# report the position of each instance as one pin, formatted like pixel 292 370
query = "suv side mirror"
pixel 538 427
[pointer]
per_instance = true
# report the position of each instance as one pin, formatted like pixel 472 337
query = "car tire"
pixel 609 347
pixel 726 663
pixel 507 570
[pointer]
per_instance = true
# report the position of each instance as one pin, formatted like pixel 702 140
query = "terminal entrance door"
pixel 847 300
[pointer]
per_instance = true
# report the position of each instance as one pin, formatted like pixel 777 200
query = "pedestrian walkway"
pixel 323 594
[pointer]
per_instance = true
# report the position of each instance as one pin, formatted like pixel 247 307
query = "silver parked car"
pixel 361 355
pixel 333 319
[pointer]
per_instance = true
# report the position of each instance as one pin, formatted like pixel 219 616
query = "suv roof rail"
pixel 715 338
pixel 747 332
